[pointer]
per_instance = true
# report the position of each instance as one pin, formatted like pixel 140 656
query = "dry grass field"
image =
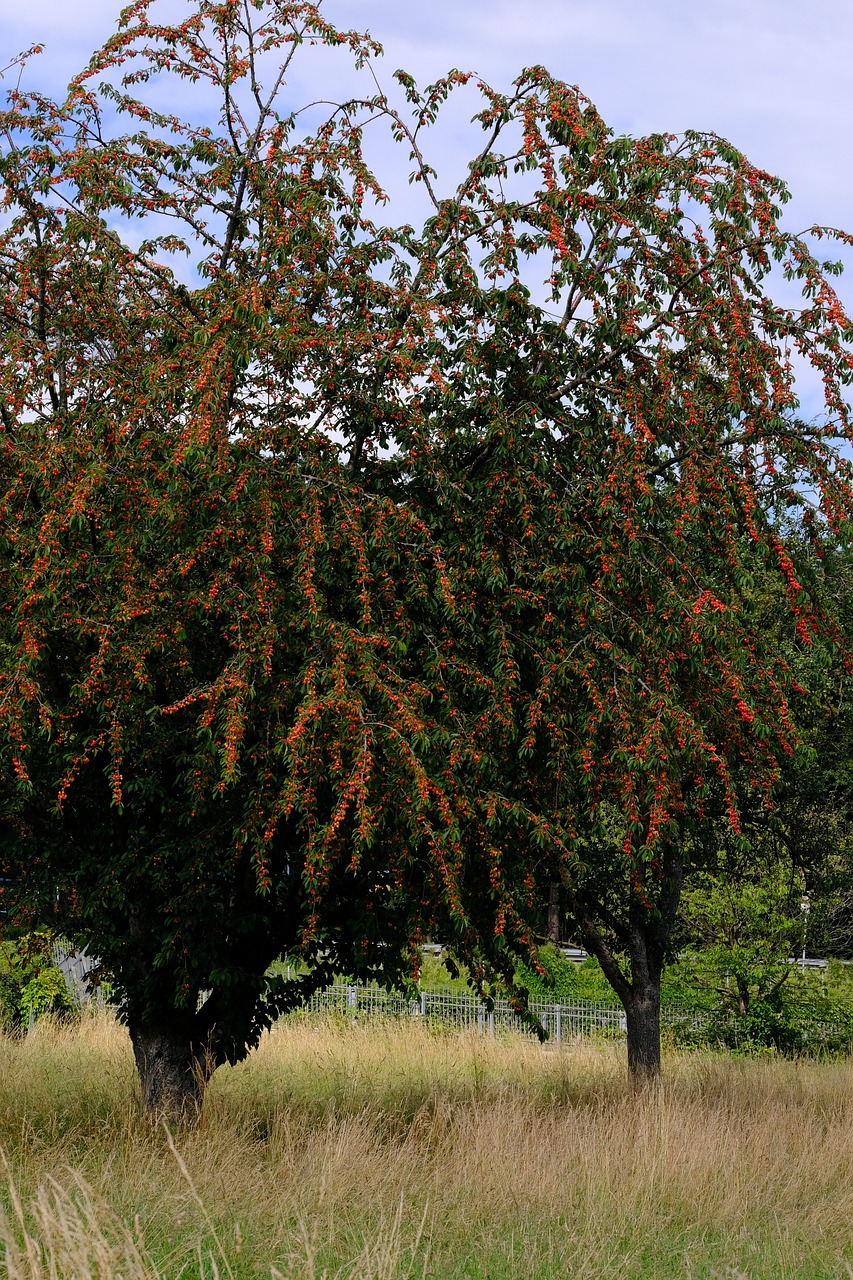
pixel 377 1152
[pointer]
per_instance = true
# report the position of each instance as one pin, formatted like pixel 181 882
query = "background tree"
pixel 742 917
pixel 351 587
pixel 780 888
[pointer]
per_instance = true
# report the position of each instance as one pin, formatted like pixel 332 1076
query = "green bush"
pixel 30 980
pixel 564 980
pixel 47 992
pixel 10 1000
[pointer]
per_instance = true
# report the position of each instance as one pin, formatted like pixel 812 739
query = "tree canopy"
pixel 358 575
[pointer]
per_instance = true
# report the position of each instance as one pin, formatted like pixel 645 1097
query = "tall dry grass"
pixel 387 1151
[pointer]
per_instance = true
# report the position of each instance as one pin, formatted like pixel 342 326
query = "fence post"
pixel 352 997
pixel 492 1023
pixel 423 1004
pixel 558 1024
pixel 481 1019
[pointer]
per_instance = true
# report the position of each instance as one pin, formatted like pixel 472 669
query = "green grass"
pixel 376 1152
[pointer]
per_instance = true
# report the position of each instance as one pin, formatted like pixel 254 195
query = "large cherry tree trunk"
pixel 178 1049
pixel 178 1045
pixel 640 939
pixel 642 1012
pixel 174 1069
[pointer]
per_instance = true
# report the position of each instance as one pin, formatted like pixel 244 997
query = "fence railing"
pixel 577 1018
pixel 562 1021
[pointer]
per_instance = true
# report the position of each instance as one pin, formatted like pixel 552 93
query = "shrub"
pixel 10 1000
pixel 47 992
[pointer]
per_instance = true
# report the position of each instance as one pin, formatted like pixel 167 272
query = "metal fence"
pixel 580 1017
pixel 458 1009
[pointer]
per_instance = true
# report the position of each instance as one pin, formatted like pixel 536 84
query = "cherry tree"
pixel 359 577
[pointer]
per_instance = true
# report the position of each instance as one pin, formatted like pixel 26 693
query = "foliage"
pixel 761 897
pixel 29 979
pixel 46 993
pixel 745 932
pixel 356 576
pixel 10 1000
pixel 778 879
pixel 560 979
pixel 743 929
pixel 441 974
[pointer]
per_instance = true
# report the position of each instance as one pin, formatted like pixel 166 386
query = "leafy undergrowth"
pixel 387 1151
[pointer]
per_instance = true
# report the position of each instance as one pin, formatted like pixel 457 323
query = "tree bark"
pixel 642 934
pixel 642 1012
pixel 647 934
pixel 554 913
pixel 173 1073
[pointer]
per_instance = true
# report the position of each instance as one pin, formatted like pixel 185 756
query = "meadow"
pixel 389 1150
